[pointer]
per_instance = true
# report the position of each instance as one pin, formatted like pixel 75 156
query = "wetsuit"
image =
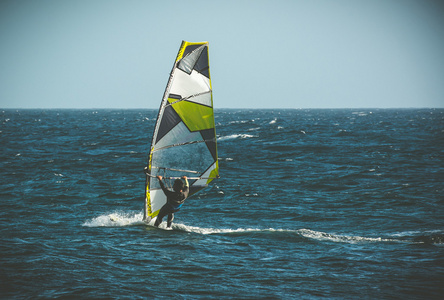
pixel 175 201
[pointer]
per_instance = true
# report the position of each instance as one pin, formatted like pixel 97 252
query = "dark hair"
pixel 178 185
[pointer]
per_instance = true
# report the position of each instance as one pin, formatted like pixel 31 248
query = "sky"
pixel 263 54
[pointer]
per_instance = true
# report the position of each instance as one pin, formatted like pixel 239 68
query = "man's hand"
pixel 159 177
pixel 184 177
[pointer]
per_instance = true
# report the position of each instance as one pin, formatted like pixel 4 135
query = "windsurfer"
pixel 175 199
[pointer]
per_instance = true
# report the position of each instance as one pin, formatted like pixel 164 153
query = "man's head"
pixel 178 185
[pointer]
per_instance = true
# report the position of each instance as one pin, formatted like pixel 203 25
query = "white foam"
pixel 418 233
pixel 235 136
pixel 323 236
pixel 238 122
pixel 200 230
pixel 116 219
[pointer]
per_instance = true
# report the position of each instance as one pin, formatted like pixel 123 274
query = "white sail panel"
pixel 204 99
pixel 160 197
pixel 177 136
pixel 187 85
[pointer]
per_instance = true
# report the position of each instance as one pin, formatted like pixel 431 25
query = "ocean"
pixel 311 204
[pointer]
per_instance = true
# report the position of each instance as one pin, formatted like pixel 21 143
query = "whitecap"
pixel 116 219
pixel 323 236
pixel 201 230
pixel 235 136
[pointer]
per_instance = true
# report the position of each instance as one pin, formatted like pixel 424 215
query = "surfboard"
pixel 161 226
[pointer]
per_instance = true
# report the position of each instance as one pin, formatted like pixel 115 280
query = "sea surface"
pixel 311 204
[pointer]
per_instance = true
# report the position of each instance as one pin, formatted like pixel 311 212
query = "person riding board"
pixel 175 199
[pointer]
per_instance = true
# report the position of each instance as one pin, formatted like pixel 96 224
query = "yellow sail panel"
pixel 195 116
pixel 184 140
pixel 214 173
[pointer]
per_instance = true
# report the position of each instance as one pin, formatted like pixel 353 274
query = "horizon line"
pixel 242 108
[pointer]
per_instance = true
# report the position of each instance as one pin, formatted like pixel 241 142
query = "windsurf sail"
pixel 184 139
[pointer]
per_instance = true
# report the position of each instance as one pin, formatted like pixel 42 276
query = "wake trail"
pixel 122 219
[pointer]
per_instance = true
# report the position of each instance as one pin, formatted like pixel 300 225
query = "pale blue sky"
pixel 265 54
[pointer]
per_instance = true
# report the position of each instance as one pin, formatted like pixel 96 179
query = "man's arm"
pixel 164 189
pixel 185 189
pixel 186 181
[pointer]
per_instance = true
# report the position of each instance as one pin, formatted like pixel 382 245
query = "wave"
pixel 200 230
pixel 318 235
pixel 235 136
pixel 116 219
pixel 306 233
pixel 323 236
pixel 121 219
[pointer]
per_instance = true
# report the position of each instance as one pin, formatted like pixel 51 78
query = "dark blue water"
pixel 311 204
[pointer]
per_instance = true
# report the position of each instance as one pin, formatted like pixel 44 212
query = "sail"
pixel 184 139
